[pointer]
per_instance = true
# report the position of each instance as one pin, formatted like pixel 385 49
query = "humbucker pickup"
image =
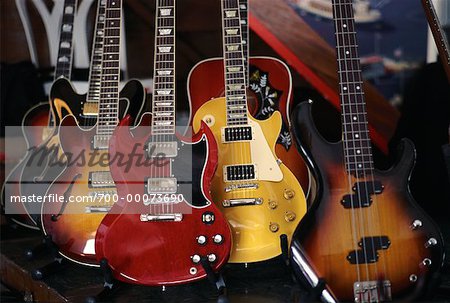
pixel 239 172
pixel 165 149
pixel 97 209
pixel 90 109
pixel 100 179
pixel 100 142
pixel 237 133
pixel 161 185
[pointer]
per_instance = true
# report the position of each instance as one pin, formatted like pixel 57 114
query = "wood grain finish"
pixel 329 232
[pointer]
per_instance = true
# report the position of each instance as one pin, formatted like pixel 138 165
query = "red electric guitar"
pixel 269 89
pixel 164 225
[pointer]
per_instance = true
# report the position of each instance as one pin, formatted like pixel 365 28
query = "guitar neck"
pixel 108 115
pixel 234 64
pixel 356 140
pixel 243 9
pixel 438 35
pixel 163 103
pixel 95 71
pixel 63 67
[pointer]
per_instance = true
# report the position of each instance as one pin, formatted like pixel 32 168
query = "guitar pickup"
pixel 90 109
pixel 161 217
pixel 237 134
pixel 165 149
pixel 161 185
pixel 101 179
pixel 242 202
pixel 100 142
pixel 239 172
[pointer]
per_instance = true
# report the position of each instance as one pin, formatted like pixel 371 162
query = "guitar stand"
pixel 284 249
pixel 39 249
pixel 58 263
pixel 109 287
pixel 216 279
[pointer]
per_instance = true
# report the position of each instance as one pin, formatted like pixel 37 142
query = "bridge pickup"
pixel 161 185
pixel 161 217
pixel 165 149
pixel 90 109
pixel 241 186
pixel 368 252
pixel 239 172
pixel 372 291
pixel 237 134
pixel 97 209
pixel 242 202
pixel 101 179
pixel 363 192
pixel 100 142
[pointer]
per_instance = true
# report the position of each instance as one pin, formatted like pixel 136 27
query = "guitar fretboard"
pixel 163 105
pixel 234 64
pixel 95 72
pixel 109 87
pixel 356 140
pixel 243 9
pixel 63 67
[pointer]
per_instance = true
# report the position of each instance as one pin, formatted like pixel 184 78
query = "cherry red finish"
pixel 159 253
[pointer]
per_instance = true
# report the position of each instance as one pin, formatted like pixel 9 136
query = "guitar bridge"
pixel 372 291
pixel 242 202
pixel 161 217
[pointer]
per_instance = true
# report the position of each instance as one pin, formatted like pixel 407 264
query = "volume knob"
pixel 431 242
pixel 212 258
pixel 218 239
pixel 195 258
pixel 201 240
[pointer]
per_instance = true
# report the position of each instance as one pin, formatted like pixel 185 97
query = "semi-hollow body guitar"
pixel 258 194
pixel 164 230
pixel 365 235
pixel 86 184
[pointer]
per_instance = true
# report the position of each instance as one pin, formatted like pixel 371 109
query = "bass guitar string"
pixel 336 6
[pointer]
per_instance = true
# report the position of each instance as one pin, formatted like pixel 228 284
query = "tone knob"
pixel 212 258
pixel 274 227
pixel 431 242
pixel 416 224
pixel 426 262
pixel 201 240
pixel 289 194
pixel 218 239
pixel 289 216
pixel 195 258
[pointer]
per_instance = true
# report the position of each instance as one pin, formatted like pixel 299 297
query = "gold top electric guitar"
pixel 258 194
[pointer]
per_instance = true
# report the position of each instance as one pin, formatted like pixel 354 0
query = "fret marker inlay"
pixel 231 14
pixel 165 11
pixel 165 31
pixel 232 31
pixel 67 28
pixel 164 49
pixel 68 10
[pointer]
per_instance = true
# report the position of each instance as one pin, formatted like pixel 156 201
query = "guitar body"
pixel 279 202
pixel 270 90
pixel 47 163
pixel 397 230
pixel 161 252
pixel 35 129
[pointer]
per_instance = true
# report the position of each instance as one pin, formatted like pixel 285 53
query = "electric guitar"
pixel 258 194
pixel 38 124
pixel 86 186
pixel 164 227
pixel 365 236
pixel 269 89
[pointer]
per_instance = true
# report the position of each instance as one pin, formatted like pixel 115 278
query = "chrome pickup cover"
pixel 100 142
pixel 165 149
pixel 161 185
pixel 372 291
pixel 100 179
pixel 97 209
pixel 161 217
pixel 242 202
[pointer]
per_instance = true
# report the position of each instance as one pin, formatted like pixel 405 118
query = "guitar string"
pixel 336 6
pixel 372 211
